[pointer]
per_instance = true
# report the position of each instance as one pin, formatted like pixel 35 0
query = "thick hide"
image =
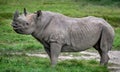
pixel 60 33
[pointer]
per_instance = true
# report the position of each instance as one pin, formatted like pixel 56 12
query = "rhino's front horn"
pixel 16 14
pixel 25 12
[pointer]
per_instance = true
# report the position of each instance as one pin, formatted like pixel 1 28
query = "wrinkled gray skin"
pixel 59 33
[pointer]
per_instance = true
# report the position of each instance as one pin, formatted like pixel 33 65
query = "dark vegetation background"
pixel 11 42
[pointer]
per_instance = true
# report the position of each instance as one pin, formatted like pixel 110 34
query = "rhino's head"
pixel 24 23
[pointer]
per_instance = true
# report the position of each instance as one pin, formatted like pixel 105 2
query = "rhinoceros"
pixel 60 33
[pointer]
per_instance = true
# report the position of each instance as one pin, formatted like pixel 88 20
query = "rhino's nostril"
pixel 15 25
pixel 27 23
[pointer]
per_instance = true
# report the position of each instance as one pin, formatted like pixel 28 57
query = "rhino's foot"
pixel 104 59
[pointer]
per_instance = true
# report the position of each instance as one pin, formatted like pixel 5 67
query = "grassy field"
pixel 22 63
pixel 12 42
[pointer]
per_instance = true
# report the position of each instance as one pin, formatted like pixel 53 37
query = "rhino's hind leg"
pixel 104 58
pixel 103 55
pixel 104 45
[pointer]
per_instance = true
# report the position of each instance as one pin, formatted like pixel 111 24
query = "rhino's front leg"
pixel 55 50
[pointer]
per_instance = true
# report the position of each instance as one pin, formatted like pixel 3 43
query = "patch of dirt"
pixel 114 62
pixel 114 58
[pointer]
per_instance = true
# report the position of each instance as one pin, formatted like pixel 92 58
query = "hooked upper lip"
pixel 16 26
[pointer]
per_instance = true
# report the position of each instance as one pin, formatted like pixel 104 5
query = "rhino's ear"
pixel 25 12
pixel 16 15
pixel 39 13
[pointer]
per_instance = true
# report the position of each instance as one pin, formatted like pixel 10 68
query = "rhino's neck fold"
pixel 42 24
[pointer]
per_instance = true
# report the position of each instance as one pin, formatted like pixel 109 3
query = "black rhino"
pixel 60 33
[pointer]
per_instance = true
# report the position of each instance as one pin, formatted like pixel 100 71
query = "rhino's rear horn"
pixel 25 12
pixel 16 14
pixel 39 13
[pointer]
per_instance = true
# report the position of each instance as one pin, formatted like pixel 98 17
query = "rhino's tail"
pixel 107 37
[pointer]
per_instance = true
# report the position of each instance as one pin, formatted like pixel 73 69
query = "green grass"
pixel 116 44
pixel 13 42
pixel 23 63
pixel 74 8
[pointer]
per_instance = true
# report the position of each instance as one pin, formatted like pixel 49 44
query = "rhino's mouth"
pixel 17 28
pixel 20 31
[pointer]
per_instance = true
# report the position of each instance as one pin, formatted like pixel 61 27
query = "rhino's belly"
pixel 80 45
pixel 74 49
